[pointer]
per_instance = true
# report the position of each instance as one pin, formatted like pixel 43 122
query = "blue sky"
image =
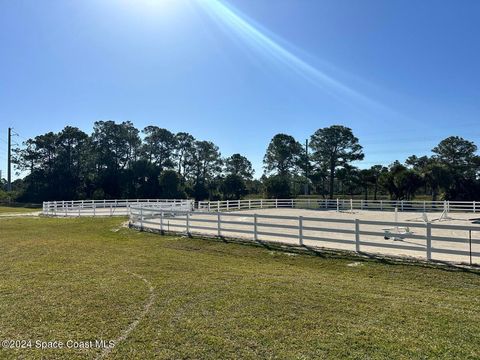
pixel 402 74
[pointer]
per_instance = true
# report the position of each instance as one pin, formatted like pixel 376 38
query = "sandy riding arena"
pixel 453 238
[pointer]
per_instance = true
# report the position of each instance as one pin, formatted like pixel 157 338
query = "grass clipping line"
pixel 146 308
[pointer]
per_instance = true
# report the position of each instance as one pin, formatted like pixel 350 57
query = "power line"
pixel 15 133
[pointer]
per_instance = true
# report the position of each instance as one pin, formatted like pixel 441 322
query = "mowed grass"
pixel 17 210
pixel 76 279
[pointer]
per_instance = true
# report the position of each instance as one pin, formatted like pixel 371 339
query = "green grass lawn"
pixel 17 210
pixel 80 279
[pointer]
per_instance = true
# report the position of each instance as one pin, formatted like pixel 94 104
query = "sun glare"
pixel 152 7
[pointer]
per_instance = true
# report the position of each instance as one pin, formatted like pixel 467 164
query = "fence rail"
pixel 110 207
pixel 453 243
pixel 120 206
pixel 341 205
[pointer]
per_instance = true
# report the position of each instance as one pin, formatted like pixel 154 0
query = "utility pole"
pixel 306 167
pixel 9 160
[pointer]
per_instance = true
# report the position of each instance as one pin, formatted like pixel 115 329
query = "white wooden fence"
pixel 110 207
pixel 440 242
pixel 341 205
pixel 120 207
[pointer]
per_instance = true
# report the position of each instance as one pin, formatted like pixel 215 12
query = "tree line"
pixel 118 160
pixel 451 173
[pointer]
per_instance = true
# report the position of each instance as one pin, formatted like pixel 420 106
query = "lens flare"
pixel 224 14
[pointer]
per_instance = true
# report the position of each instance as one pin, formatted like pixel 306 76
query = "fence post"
pixel 94 209
pixel 255 231
pixel 218 206
pixel 111 210
pixel 292 203
pixel 249 204
pixel 381 205
pixel 188 223
pixel 238 204
pixel 79 212
pixel 474 207
pixel 429 241
pixel 357 235
pixel 338 205
pixel 228 205
pixel 161 222
pixel 401 204
pixel 219 225
pixel 261 203
pixel 300 230
pixel 276 203
pixel 424 206
pixel 141 219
